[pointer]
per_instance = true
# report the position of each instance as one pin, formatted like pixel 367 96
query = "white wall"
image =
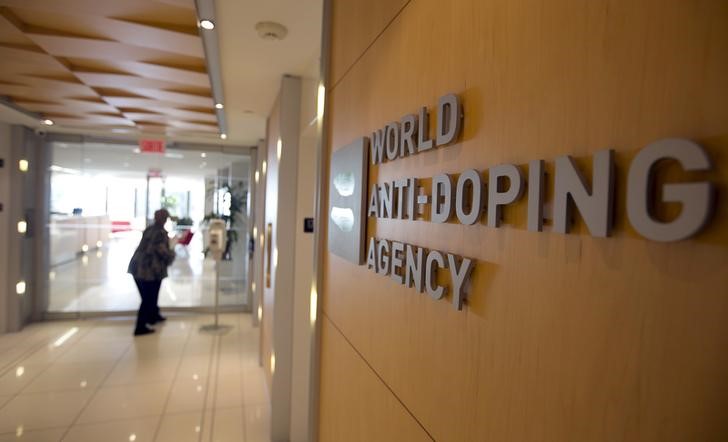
pixel 4 221
pixel 302 328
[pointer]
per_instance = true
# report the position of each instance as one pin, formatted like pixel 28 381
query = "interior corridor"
pixel 78 380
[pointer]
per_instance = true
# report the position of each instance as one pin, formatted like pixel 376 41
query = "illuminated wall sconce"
pixel 22 227
pixel 279 149
pixel 84 248
pixel 99 244
pixel 321 101
pixel 20 288
pixel 313 304
pixel 272 363
pixel 257 176
pixel 23 165
pixel 265 167
pixel 260 313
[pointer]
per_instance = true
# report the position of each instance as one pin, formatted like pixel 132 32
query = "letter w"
pixel 377 146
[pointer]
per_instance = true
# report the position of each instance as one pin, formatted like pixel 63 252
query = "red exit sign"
pixel 152 146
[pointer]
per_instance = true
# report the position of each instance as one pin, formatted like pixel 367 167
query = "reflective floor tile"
pixel 126 402
pixel 135 430
pixel 135 371
pixel 21 435
pixel 42 410
pixel 70 377
pixel 188 395
pixel 257 424
pixel 228 425
pixel 184 427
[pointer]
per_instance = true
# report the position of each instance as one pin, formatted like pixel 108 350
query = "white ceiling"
pixel 251 67
pixel 126 161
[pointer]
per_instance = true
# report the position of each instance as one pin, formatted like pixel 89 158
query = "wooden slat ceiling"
pixel 105 64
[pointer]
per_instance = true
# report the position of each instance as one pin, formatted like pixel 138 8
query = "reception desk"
pixel 70 233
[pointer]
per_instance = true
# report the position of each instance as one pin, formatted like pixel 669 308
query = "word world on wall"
pixel 480 196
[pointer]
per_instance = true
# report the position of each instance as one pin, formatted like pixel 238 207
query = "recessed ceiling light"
pixel 223 136
pixel 272 31
pixel 219 105
pixel 47 122
pixel 207 25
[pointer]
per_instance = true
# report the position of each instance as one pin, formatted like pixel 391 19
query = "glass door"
pixel 102 197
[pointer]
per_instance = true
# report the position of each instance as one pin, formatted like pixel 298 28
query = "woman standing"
pixel 148 266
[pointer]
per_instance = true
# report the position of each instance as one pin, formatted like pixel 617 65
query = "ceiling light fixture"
pixel 207 25
pixel 47 122
pixel 223 136
pixel 219 105
pixel 271 31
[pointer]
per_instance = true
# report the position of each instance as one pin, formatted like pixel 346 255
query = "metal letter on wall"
pixel 449 119
pixel 347 200
pixel 595 206
pixel 498 199
pixel 696 198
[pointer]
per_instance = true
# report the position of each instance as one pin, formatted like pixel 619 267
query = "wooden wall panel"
pixel 355 25
pixel 360 409
pixel 565 337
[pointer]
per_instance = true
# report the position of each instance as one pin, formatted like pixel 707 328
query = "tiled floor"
pixel 92 381
pixel 97 281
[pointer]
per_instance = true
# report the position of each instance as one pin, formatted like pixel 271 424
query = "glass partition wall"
pixel 102 196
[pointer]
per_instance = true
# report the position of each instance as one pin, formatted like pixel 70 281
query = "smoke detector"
pixel 271 31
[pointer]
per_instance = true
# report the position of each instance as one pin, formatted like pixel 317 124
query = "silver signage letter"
pixel 434 260
pixel 386 193
pixel 423 131
pixel 695 198
pixel 374 202
pixel 496 198
pixel 442 196
pixel 396 259
pixel 536 189
pixel 460 269
pixel 391 141
pixel 413 274
pixel 449 112
pixel 409 131
pixel 472 179
pixel 595 206
pixel 383 257
pixel 371 255
pixel 376 146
